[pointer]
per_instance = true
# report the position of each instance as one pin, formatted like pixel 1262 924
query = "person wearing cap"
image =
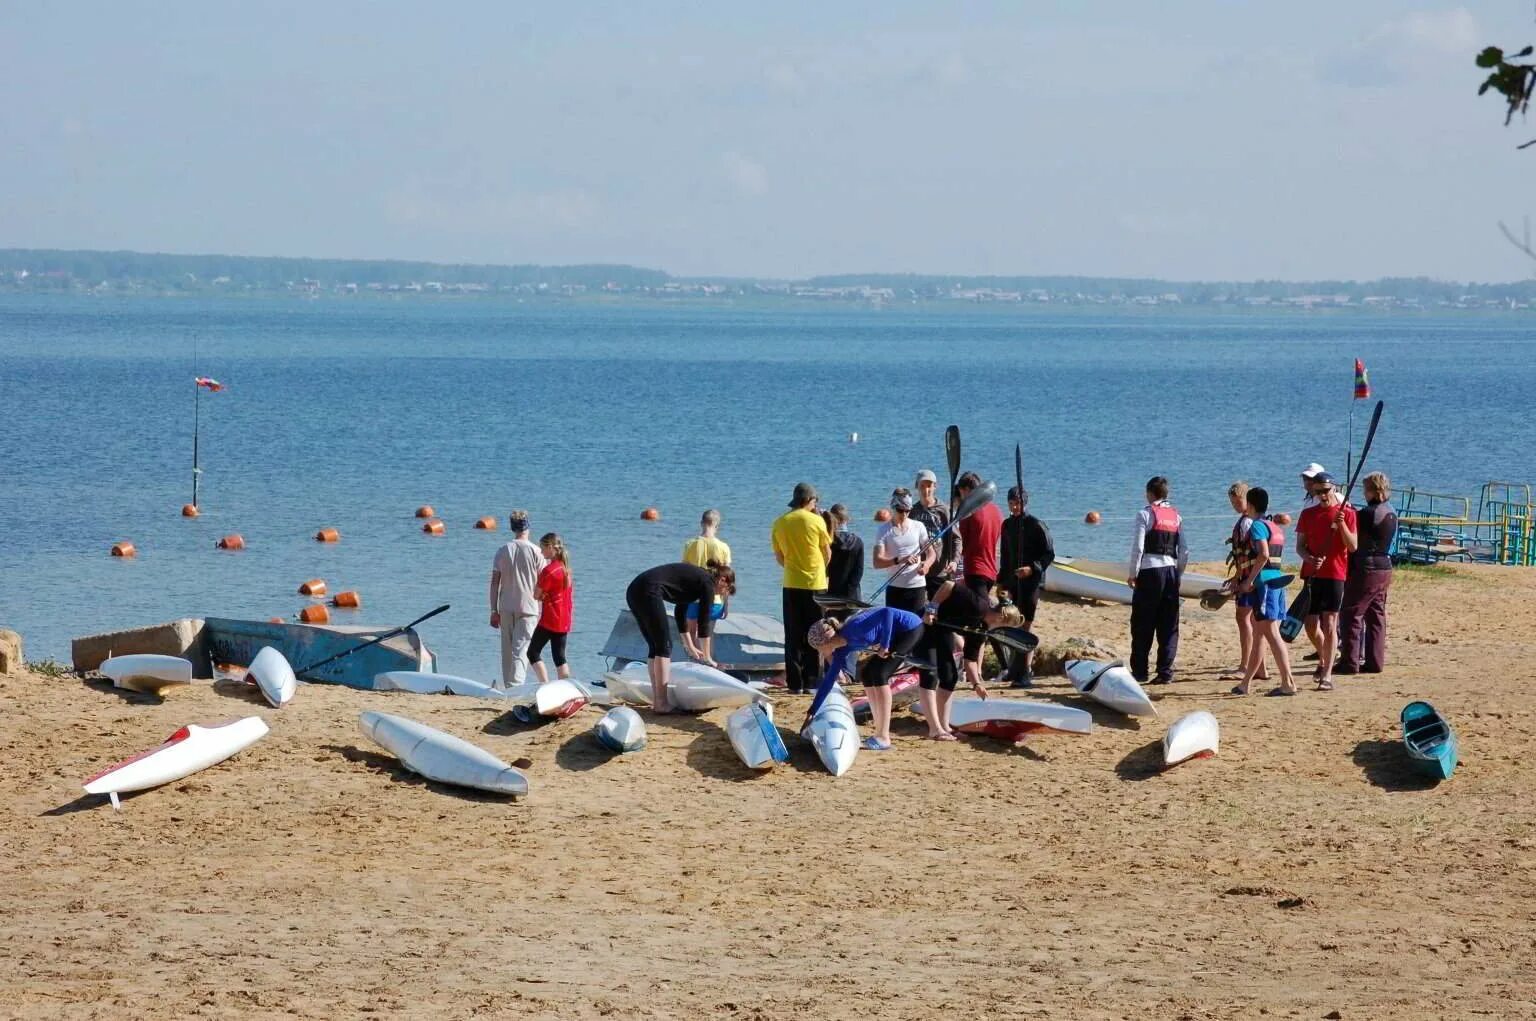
pixel 1158 556
pixel 515 606
pixel 902 548
pixel 1326 534
pixel 887 632
pixel 1309 476
pixel 1027 550
pixel 935 517
pixel 803 547
pixel 979 534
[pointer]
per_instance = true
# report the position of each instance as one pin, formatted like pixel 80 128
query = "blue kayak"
pixel 1430 741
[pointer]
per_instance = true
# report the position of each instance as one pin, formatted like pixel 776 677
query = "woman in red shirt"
pixel 554 593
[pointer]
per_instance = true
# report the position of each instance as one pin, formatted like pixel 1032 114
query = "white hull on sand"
pixel 621 729
pixel 271 672
pixel 691 687
pixel 1011 719
pixel 442 757
pixel 1195 735
pixel 147 672
pixel 834 734
pixel 190 749
pixel 1110 684
pixel 1191 583
pixel 434 684
pixel 754 737
pixel 560 698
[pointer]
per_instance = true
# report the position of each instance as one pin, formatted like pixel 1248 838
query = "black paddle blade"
pixel 1296 616
pixel 1015 638
pixel 835 603
pixel 952 455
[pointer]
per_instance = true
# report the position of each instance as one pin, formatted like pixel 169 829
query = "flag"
pixel 1362 383
pixel 215 386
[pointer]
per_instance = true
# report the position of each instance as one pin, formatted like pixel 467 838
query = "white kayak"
pixel 621 729
pixel 560 698
pixel 190 749
pixel 147 672
pixel 1066 580
pixel 833 733
pixel 754 737
pixel 271 672
pixel 691 687
pixel 1110 684
pixel 442 757
pixel 1010 719
pixel 1191 583
pixel 434 684
pixel 1194 735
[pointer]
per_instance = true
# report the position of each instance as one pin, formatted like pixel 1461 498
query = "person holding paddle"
pixel 934 516
pixel 979 534
pixel 1026 552
pixel 1325 537
pixel 954 607
pixel 902 548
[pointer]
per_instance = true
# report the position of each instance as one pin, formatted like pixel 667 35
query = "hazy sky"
pixel 1179 139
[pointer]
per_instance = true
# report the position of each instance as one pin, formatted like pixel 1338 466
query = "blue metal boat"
pixel 1430 741
pixel 238 641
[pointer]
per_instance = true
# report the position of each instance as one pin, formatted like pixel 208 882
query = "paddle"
pixel 1013 637
pixel 952 452
pixel 1216 598
pixel 1296 615
pixel 372 641
pixel 973 502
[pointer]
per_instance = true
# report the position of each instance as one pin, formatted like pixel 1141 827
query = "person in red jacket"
pixel 554 593
pixel 1325 536
pixel 979 535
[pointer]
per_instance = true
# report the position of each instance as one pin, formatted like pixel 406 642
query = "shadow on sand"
pixel 87 802
pixel 1142 763
pixel 388 765
pixel 128 695
pixel 1103 715
pixel 1385 764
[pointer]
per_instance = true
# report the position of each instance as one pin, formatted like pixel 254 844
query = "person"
pixel 934 516
pixel 902 548
pixel 845 571
pixel 1326 534
pixel 803 547
pixel 979 535
pixel 1309 476
pixel 699 551
pixel 890 633
pixel 956 606
pixel 1257 561
pixel 1158 556
pixel 1363 617
pixel 680 584
pixel 1237 559
pixel 555 595
pixel 1027 551
pixel 514 598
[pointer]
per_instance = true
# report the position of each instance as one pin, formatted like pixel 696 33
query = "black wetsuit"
pixel 651 590
pixel 845 571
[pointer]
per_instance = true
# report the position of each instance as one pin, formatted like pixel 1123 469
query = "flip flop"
pixel 942 737
pixel 1324 685
pixel 874 744
pixel 1272 692
pixel 1239 690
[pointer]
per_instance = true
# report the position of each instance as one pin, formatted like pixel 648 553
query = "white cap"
pixel 1313 470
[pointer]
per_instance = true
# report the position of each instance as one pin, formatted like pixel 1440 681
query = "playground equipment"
pixel 1436 526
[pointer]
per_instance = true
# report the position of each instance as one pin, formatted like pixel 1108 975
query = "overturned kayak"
pixel 271 672
pixel 421 683
pixel 147 672
pixel 833 733
pixel 1064 579
pixel 691 687
pixel 560 699
pixel 442 757
pixel 621 730
pixel 1110 684
pixel 1194 735
pixel 1011 719
pixel 1191 583
pixel 755 738
pixel 190 749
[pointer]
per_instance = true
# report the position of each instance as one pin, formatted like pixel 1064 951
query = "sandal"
pixel 874 744
pixel 942 737
pixel 1239 690
pixel 1324 684
pixel 1272 692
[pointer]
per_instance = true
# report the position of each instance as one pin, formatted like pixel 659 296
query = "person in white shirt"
pixel 515 604
pixel 1158 556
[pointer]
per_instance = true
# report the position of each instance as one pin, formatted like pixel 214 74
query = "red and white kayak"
pixel 1194 735
pixel 560 698
pixel 1011 719
pixel 190 749
pixel 904 688
pixel 146 672
pixel 271 672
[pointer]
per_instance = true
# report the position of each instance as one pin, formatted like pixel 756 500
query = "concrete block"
pixel 11 661
pixel 175 638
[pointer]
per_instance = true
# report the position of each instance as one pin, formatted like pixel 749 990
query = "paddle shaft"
pixel 974 501
pixel 372 641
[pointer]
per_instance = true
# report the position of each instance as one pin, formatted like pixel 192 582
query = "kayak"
pixel 1191 583
pixel 1429 739
pixel 1194 735
pixel 1110 684
pixel 441 757
pixel 190 749
pixel 904 687
pixel 754 737
pixel 147 672
pixel 1011 719
pixel 621 729
pixel 421 683
pixel 833 733
pixel 1064 579
pixel 271 672
pixel 691 687
pixel 560 699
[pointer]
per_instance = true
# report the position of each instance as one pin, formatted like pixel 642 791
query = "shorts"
pixel 716 611
pixel 980 584
pixel 1265 602
pixel 1327 595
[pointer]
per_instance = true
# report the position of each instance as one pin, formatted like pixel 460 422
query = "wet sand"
pixel 1302 871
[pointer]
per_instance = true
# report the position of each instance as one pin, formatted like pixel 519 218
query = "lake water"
pixel 352 414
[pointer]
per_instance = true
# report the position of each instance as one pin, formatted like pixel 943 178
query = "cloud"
pixel 747 176
pixel 1417 45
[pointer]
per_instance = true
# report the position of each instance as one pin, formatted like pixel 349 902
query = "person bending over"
pixel 956 606
pixel 680 584
pixel 887 632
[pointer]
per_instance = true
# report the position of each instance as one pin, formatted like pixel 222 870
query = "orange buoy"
pixel 433 527
pixel 189 510
pixel 316 614
pixel 882 515
pixel 486 524
pixel 313 587
pixel 124 549
pixel 650 514
pixel 1282 518
pixel 426 511
pixel 347 600
pixel 1092 518
pixel 327 535
pixel 234 541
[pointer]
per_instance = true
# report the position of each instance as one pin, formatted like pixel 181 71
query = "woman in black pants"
pixel 680 584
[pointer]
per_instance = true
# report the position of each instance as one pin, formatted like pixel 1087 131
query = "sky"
pixel 1183 140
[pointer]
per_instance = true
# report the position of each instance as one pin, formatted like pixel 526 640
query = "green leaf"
pixel 1491 57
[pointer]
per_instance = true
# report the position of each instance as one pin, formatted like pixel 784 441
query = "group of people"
pixel 532 602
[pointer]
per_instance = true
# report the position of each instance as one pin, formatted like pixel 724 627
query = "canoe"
pixel 754 737
pixel 691 687
pixel 560 699
pixel 621 729
pixel 270 672
pixel 751 644
pixel 1194 735
pixel 421 683
pixel 1010 719
pixel 1063 579
pixel 1430 741
pixel 833 733
pixel 237 641
pixel 441 757
pixel 190 749
pixel 1110 684
pixel 904 688
pixel 148 673
pixel 1191 583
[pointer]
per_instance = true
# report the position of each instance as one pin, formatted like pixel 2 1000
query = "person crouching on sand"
pixel 956 606
pixel 890 634
pixel 1258 561
pixel 680 584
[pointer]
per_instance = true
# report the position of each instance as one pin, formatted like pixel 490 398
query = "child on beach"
pixel 1259 562
pixel 555 596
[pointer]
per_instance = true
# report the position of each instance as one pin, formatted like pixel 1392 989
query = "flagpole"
pixel 1349 454
pixel 197 406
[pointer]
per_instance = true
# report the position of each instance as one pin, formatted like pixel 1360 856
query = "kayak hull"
pixel 691 687
pixel 834 734
pixel 1111 685
pixel 422 683
pixel 1000 716
pixel 271 672
pixel 754 738
pixel 560 699
pixel 189 750
pixel 147 672
pixel 1429 740
pixel 1194 735
pixel 621 730
pixel 442 757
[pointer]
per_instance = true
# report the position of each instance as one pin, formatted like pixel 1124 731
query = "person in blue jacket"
pixel 887 632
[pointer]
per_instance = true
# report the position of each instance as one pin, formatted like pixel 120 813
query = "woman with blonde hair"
pixel 554 593
pixel 1363 618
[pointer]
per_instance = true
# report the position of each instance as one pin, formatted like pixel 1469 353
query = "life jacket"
pixel 1163 536
pixel 1276 543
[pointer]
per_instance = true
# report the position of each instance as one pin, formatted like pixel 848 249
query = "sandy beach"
pixel 1304 872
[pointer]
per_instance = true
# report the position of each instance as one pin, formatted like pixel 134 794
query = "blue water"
pixel 351 414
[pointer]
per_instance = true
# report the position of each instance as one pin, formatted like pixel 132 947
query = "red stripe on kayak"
pixel 176 738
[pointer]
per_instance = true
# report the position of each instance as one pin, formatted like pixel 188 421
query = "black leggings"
pixel 877 670
pixel 650 612
pixel 542 636
pixel 947 672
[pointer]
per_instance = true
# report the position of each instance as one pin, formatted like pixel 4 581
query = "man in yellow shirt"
pixel 802 546
pixel 701 551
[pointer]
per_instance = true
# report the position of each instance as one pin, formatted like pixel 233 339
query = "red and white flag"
pixel 209 384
